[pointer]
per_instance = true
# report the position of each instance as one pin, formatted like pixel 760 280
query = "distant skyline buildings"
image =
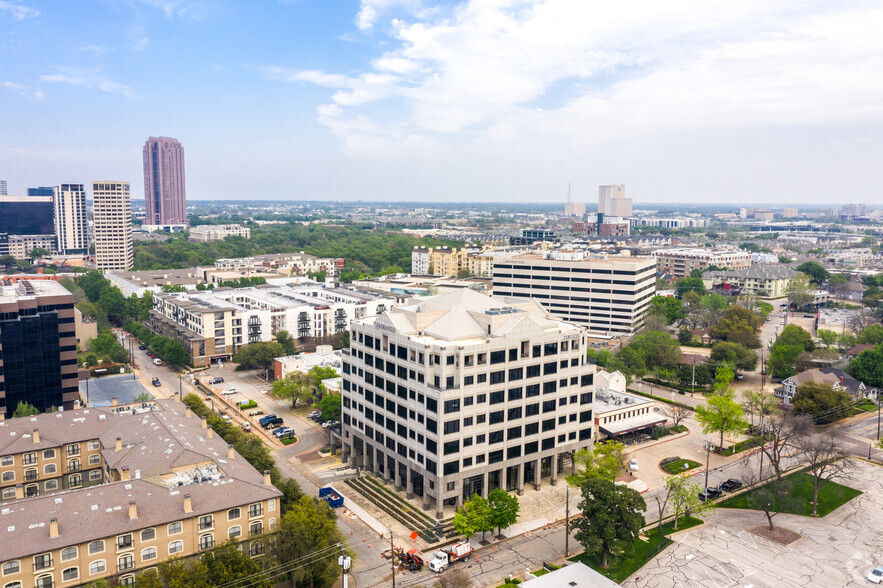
pixel 41 191
pixel 3 189
pixel 612 201
pixel 27 215
pixel 71 222
pixel 165 198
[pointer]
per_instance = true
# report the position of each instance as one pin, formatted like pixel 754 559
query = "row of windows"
pixel 31 458
pixel 514 452
pixel 51 468
pixel 577 270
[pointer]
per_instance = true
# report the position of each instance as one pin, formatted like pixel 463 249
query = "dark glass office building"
pixel 38 346
pixel 27 215
pixel 41 191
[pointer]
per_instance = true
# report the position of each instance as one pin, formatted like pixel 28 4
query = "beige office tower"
pixel 71 224
pixel 612 201
pixel 112 216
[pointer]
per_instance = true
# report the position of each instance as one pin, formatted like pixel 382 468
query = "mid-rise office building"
pixel 112 220
pixel 27 215
pixel 204 233
pixel 41 191
pixel 574 209
pixel 854 210
pixel 21 246
pixel 71 222
pixel 4 190
pixel 102 494
pixel 612 201
pixel 606 294
pixel 165 196
pixel 530 236
pixel 38 346
pixel 679 262
pixel 464 393
pixel 214 324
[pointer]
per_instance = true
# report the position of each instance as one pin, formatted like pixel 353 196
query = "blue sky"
pixel 483 100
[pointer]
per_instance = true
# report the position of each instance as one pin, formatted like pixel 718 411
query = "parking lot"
pixel 837 550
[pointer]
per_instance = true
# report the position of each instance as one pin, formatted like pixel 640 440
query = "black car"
pixel 730 485
pixel 272 423
pixel 142 347
pixel 156 382
pixel 710 494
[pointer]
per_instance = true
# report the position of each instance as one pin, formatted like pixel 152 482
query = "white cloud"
pixel 137 38
pixel 186 9
pixel 18 10
pixel 88 79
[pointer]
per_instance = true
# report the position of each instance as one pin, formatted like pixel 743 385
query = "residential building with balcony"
pixel 681 261
pixel 760 280
pixel 463 393
pixel 604 293
pixel 153 482
pixel 205 233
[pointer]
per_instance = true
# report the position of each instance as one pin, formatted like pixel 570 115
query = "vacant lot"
pixel 837 550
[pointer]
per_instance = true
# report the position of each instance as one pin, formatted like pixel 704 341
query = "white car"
pixel 229 391
pixel 876 575
pixel 633 464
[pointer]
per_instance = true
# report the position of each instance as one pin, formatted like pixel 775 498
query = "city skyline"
pixel 457 101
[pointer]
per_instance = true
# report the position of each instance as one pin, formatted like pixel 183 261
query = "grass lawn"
pixel 742 446
pixel 623 567
pixel 831 496
pixel 863 407
pixel 676 467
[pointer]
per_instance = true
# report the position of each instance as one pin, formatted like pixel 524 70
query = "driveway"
pixel 837 550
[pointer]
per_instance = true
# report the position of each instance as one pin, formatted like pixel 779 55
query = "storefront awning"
pixel 634 423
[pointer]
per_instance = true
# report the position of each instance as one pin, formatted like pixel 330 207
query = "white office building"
pixel 608 294
pixel 463 393
pixel 205 233
pixel 71 222
pixel 112 220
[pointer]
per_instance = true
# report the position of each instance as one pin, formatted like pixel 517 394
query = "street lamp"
pixel 707 463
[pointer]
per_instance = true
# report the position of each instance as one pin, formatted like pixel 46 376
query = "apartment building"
pixel 604 293
pixel 420 261
pixel 213 324
pixel 38 346
pixel 71 222
pixel 761 280
pixel 96 494
pixel 444 261
pixel 481 265
pixel 294 264
pixel 20 246
pixel 112 220
pixel 463 393
pixel 205 233
pixel 681 261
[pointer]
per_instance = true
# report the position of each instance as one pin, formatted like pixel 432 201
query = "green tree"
pixel 720 414
pixel 465 522
pixel 827 337
pixel 868 366
pixel 822 402
pixel 735 354
pixel 872 335
pixel 685 336
pixel 287 342
pixel 228 563
pixel 794 335
pixel 330 407
pixel 814 271
pixel 800 292
pixel 258 355
pixel 146 579
pixel 723 380
pixel 782 360
pixel 503 509
pixel 295 387
pixel 670 309
pixel 318 373
pixel 684 497
pixel 738 325
pixel 685 285
pixel 93 284
pixel 714 305
pixel 611 519
pixel 38 252
pixel 306 532
pixel 24 409
pixel 603 460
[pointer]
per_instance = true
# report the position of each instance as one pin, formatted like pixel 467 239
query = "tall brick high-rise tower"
pixel 165 197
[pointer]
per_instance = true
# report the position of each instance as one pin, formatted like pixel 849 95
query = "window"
pixel 97 567
pixel 176 546
pixel 44 582
pixel 498 377
pixel 7 461
pixel 496 417
pixel 498 397
pixel 452 467
pixel 255 510
pixel 68 553
pixel 482 378
pixel 70 574
pixel 205 522
pixel 49 454
pixel 235 531
pixel 94 459
pixel 95 475
pixel 148 554
pixel 206 541
pixel 8 493
pixel 233 514
pixel 498 357
pixel 255 548
pixel 451 447
pixel 8 476
pixel 452 406
pixel 495 437
pixel 256 528
pixel 148 534
pixel 94 446
pixel 50 468
pixel 12 585
pixel 271 504
pixel 73 449
pixel 75 480
pixel 43 561
pixel 30 458
pixel 124 541
pixel 11 567
pixel 126 562
pixel 451 427
pixel 96 547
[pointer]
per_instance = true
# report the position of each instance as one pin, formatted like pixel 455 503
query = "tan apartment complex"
pixel 106 493
pixel 679 262
pixel 112 218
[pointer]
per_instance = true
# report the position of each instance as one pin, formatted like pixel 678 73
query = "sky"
pixel 749 102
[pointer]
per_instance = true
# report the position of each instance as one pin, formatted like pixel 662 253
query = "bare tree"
pixel 859 321
pixel 759 404
pixel 827 461
pixel 769 497
pixel 783 434
pixel 454 579
pixel 676 413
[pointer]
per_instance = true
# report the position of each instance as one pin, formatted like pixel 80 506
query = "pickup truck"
pixel 331 496
pixel 445 557
pixel 272 423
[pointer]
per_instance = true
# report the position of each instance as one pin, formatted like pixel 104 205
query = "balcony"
pixel 125 564
pixel 43 563
pixel 30 477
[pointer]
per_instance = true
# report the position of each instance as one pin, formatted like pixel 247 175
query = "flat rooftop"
pixel 609 400
pixel 102 391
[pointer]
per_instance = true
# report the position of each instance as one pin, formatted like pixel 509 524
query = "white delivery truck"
pixel 445 557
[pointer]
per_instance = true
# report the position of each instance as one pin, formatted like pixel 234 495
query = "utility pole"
pixel 707 462
pixel 392 557
pixel 693 382
pixel 567 525
pixel 762 371
pixel 344 561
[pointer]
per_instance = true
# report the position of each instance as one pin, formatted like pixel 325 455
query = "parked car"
pixel 228 391
pixel 284 433
pixel 266 418
pixel 156 382
pixel 141 348
pixel 313 414
pixel 157 361
pixel 246 427
pixel 274 422
pixel 710 494
pixel 151 354
pixel 740 376
pixel 216 380
pixel 330 424
pixel 633 464
pixel 226 418
pixel 730 485
pixel 876 575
